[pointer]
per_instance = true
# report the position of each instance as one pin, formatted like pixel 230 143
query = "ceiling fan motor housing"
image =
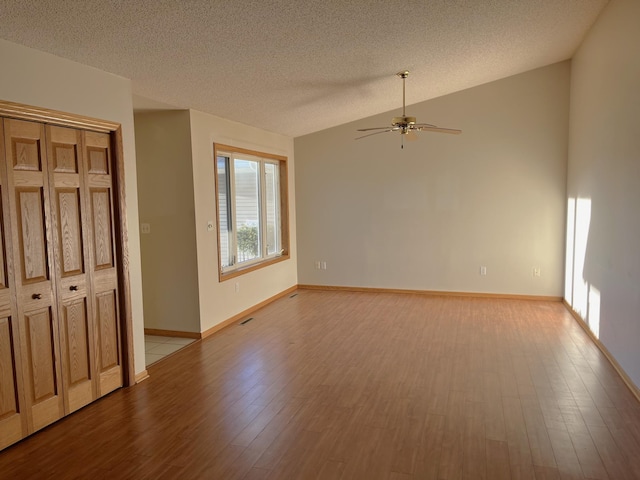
pixel 399 121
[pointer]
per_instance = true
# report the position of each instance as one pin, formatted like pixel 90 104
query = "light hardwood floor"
pixel 340 385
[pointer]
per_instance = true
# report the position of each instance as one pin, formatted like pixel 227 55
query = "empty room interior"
pixel 333 240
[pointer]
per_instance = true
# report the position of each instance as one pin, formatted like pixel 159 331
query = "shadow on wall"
pixel 602 276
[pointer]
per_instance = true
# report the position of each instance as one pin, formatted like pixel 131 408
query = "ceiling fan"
pixel 407 125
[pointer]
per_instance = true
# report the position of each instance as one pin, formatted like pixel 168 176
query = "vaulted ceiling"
pixel 299 66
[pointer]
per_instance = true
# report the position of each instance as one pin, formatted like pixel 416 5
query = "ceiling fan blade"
pixel 452 131
pixel 418 125
pixel 372 128
pixel 375 133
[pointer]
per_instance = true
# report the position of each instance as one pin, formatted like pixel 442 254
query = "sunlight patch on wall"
pixel 581 233
pixel 583 297
pixel 568 266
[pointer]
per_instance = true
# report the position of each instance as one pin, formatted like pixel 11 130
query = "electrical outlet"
pixel 145 228
pixel 536 271
pixel 483 270
pixel 317 263
pixel 324 265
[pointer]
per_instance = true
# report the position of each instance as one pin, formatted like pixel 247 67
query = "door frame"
pixel 53 117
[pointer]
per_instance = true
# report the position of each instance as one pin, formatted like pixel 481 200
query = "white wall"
pixel 603 281
pixel 427 217
pixel 43 80
pixel 165 190
pixel 218 300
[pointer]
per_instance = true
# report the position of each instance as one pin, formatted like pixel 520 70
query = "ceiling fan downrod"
pixel 403 123
pixel 403 75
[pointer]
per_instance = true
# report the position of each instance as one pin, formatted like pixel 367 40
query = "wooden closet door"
pixel 69 221
pixel 13 421
pixel 105 302
pixel 29 206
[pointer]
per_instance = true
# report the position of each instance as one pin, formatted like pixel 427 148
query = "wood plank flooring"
pixel 341 385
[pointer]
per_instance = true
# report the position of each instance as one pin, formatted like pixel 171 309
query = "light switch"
pixel 145 228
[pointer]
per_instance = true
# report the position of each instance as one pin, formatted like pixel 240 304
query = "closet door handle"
pixel 36 296
pixel 73 288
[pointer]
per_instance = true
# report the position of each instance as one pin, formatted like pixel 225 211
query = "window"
pixel 252 209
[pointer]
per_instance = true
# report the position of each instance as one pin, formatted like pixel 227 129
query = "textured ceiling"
pixel 299 66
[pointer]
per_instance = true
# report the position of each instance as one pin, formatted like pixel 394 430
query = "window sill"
pixel 223 276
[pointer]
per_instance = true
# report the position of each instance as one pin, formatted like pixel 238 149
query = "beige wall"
pixel 429 216
pixel 603 281
pixel 43 80
pixel 165 191
pixel 177 198
pixel 218 300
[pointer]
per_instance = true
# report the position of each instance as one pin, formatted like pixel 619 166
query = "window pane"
pixel 272 200
pixel 247 192
pixel 224 212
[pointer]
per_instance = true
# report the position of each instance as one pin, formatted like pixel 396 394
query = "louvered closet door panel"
pixel 13 421
pixel 37 315
pixel 69 211
pixel 105 302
